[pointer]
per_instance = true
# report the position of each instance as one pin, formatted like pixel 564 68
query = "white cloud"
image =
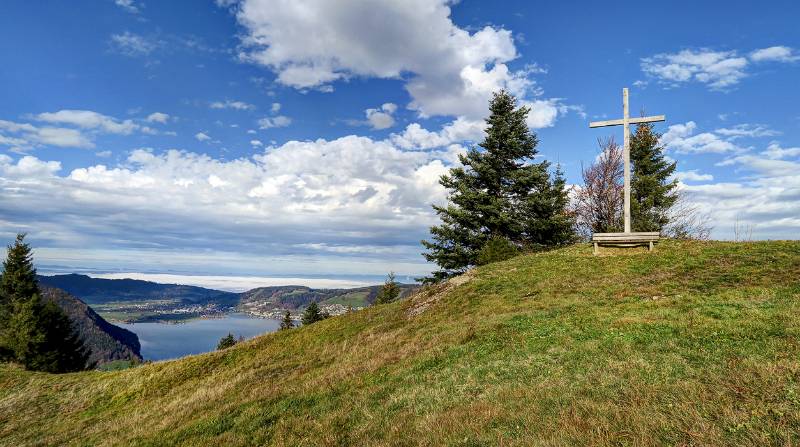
pixel 276 107
pixel 256 143
pixel 381 118
pixel 133 45
pixel 275 121
pixel 777 53
pixel 200 136
pixel 680 138
pixel 29 136
pixel 415 137
pixel 158 117
pixel 103 154
pixel 720 70
pixel 331 194
pixel 128 5
pixel 747 130
pixel 88 119
pixel 228 104
pixel 776 152
pixel 446 69
pixel 693 176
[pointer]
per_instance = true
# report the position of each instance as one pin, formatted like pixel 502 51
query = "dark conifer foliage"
pixel 287 322
pixel 652 192
pixel 389 292
pixel 500 192
pixel 35 333
pixel 226 341
pixel 312 314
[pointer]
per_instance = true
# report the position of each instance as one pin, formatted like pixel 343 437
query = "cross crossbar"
pixel 643 119
pixel 625 122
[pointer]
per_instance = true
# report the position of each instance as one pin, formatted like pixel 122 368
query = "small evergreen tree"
pixel 226 342
pixel 495 250
pixel 287 322
pixel 652 193
pixel 35 333
pixel 312 314
pixel 499 192
pixel 389 292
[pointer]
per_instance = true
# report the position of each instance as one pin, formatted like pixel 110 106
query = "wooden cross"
pixel 625 122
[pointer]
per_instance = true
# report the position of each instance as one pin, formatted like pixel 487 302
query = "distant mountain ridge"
pixel 101 290
pixel 106 341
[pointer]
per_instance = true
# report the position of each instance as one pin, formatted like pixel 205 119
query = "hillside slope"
pixel 695 344
pixel 101 290
pixel 106 341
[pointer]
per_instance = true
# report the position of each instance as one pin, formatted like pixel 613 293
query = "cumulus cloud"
pixel 681 139
pixel 270 122
pixel 200 136
pixel 381 118
pixel 88 119
pixel 300 199
pixel 446 69
pixel 228 104
pixel 777 53
pixel 719 70
pixel 158 117
pixel 27 136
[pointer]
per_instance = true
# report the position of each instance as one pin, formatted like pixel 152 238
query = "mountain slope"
pixel 100 290
pixel 294 297
pixel 695 344
pixel 107 342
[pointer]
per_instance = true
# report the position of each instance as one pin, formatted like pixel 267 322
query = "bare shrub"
pixel 597 204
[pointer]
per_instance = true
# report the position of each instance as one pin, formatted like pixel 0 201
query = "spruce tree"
pixel 500 191
pixel 652 193
pixel 287 322
pixel 389 292
pixel 35 333
pixel 226 342
pixel 312 314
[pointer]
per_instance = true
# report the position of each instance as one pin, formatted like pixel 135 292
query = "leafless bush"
pixel 597 205
pixel 686 221
pixel 742 232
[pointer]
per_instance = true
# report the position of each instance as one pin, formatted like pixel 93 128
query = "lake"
pixel 162 341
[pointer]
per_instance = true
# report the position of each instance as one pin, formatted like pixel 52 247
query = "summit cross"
pixel 625 122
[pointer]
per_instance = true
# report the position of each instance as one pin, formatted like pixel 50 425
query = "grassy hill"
pixel 695 344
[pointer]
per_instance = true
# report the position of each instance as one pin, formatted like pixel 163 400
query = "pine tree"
pixel 35 333
pixel 226 341
pixel 312 314
pixel 652 193
pixel 499 192
pixel 389 292
pixel 287 322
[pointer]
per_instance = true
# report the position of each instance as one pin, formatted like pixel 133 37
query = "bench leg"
pixel 595 249
pixel 651 246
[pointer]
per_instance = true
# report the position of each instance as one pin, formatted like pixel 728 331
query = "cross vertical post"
pixel 626 150
pixel 625 122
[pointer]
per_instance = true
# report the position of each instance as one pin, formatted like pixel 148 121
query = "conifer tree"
pixel 35 333
pixel 389 292
pixel 500 191
pixel 312 314
pixel 226 342
pixel 287 322
pixel 652 193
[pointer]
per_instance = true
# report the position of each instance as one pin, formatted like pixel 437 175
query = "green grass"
pixel 355 299
pixel 694 344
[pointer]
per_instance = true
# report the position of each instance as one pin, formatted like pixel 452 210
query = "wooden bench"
pixel 625 239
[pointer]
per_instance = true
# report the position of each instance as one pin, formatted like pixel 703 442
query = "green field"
pixel 695 344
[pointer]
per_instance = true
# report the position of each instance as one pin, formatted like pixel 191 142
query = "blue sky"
pixel 305 137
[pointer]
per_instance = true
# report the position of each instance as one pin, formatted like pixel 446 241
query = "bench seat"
pixel 625 239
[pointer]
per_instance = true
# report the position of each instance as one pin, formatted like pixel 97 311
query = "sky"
pixel 305 138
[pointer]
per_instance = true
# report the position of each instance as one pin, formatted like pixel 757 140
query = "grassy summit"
pixel 696 343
